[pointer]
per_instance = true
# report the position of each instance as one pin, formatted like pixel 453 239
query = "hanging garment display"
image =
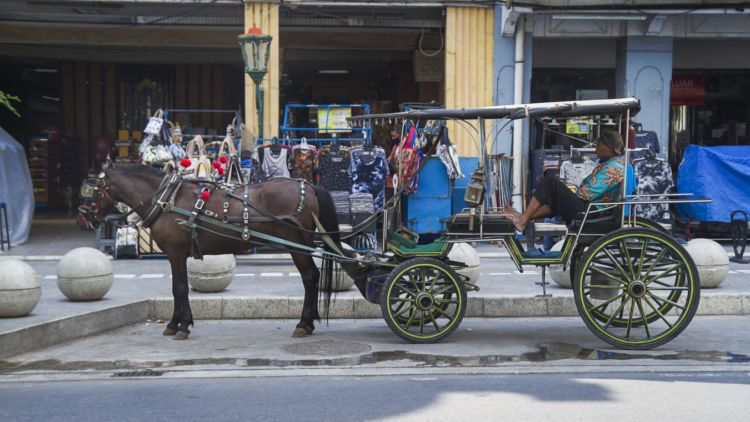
pixel 275 161
pixel 368 171
pixel 362 203
pixel 645 139
pixel 333 167
pixel 574 172
pixel 653 176
pixel 302 162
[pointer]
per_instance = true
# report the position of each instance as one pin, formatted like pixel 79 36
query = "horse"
pixel 281 207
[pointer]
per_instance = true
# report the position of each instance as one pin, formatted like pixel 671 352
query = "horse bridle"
pixel 93 190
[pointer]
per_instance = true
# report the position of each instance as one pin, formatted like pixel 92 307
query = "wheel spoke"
pixel 608 275
pixel 657 259
pixel 607 302
pixel 630 319
pixel 611 318
pixel 434 322
pixel 411 317
pixel 443 290
pixel 627 258
pixel 407 291
pixel 399 313
pixel 643 316
pixel 648 302
pixel 617 265
pixel 421 322
pixel 666 272
pixel 665 300
pixel 413 281
pixel 442 312
pixel 643 252
pixel 448 301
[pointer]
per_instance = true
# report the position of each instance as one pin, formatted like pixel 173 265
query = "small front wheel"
pixel 423 300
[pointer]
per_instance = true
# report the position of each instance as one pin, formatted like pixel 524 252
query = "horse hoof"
pixel 181 335
pixel 301 332
pixel 169 331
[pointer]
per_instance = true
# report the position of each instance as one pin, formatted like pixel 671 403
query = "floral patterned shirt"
pixel 604 182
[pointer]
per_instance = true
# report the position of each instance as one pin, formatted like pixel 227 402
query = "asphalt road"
pixel 559 397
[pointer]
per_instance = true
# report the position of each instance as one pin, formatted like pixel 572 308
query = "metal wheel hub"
pixel 637 288
pixel 424 301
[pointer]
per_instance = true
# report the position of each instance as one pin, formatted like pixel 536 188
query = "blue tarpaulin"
pixel 720 173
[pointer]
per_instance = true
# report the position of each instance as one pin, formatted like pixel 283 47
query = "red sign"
pixel 688 90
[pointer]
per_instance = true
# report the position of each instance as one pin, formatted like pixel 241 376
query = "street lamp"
pixel 255 48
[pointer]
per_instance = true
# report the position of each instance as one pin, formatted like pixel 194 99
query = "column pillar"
pixel 264 15
pixel 644 71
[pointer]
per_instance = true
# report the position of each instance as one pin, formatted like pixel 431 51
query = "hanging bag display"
pixel 408 161
pixel 153 151
pixel 200 166
pixel 229 159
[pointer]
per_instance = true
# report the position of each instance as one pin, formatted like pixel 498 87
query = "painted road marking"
pixel 151 276
pixel 499 273
pixel 124 275
pixel 271 274
pixel 294 275
pixel 50 277
pixel 245 275
pixel 526 272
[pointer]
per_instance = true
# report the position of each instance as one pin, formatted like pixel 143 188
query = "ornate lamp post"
pixel 255 48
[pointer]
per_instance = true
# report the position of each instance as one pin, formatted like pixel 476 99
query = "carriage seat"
pixel 604 221
pixel 404 245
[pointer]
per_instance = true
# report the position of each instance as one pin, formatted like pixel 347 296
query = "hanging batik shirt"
pixel 574 173
pixel 333 167
pixel 653 176
pixel 604 182
pixel 275 165
pixel 368 170
pixel 303 163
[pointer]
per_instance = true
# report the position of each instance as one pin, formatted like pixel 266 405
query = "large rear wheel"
pixel 636 288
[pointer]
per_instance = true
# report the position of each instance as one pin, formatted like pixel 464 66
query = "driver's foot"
pixel 518 222
pixel 508 209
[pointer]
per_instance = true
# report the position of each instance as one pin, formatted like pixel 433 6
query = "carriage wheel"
pixel 636 288
pixel 423 300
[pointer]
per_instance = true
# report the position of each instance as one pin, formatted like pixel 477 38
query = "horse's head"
pixel 96 202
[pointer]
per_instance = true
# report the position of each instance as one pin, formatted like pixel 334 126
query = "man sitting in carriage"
pixel 553 197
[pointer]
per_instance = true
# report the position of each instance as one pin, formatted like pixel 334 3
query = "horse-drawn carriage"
pixel 634 285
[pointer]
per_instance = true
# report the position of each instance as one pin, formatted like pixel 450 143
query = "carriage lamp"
pixel 255 48
pixel 475 193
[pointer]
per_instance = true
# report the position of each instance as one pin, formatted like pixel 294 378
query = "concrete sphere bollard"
pixel 84 274
pixel 711 259
pixel 341 281
pixel 211 274
pixel 466 254
pixel 562 278
pixel 20 288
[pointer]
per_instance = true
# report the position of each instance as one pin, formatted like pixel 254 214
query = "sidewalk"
pixel 503 293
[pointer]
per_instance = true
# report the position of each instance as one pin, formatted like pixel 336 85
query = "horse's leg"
pixel 182 316
pixel 310 275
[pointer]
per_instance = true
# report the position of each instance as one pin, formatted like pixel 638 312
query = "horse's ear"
pixel 108 163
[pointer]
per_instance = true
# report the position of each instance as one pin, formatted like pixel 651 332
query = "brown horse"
pixel 282 208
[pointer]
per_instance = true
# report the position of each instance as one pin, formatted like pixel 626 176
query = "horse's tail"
pixel 330 222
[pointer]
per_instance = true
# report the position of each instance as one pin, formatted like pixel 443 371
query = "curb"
pixel 50 333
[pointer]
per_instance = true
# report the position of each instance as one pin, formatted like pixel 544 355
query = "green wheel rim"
pixel 424 301
pixel 637 288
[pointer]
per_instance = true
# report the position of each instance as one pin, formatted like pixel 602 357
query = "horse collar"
pixel 301 205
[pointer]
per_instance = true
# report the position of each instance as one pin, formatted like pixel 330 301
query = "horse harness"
pixel 224 219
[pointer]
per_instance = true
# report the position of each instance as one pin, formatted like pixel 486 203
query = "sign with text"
pixel 333 118
pixel 688 90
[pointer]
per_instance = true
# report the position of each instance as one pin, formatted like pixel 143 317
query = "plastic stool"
pixel 4 232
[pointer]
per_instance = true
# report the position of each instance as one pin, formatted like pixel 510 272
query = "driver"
pixel 552 197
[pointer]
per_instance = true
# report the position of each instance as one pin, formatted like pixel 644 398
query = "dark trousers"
pixel 563 202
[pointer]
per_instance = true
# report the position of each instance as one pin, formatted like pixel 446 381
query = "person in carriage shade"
pixel 552 197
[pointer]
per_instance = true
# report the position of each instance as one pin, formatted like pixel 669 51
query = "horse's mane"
pixel 140 169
